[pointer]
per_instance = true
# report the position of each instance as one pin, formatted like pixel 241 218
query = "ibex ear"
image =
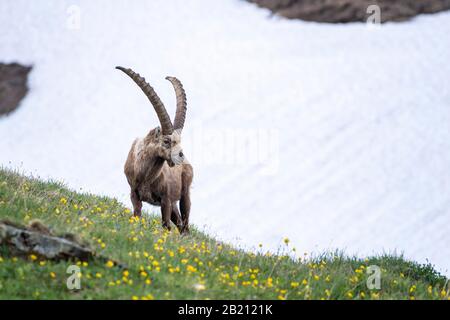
pixel 157 132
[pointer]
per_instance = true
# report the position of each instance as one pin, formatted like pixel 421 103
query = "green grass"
pixel 165 265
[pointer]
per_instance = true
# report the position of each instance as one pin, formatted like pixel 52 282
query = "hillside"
pixel 165 265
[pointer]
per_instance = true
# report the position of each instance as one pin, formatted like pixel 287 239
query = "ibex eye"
pixel 181 154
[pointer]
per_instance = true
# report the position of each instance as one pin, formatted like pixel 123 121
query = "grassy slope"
pixel 164 265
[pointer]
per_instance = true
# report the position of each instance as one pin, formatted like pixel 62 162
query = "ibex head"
pixel 167 138
pixel 169 147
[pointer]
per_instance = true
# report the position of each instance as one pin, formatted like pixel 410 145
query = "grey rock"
pixel 23 242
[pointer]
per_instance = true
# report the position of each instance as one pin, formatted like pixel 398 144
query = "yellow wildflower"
pixel 191 268
pixel 143 274
pixel 110 264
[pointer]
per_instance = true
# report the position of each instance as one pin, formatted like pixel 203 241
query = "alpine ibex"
pixel 156 168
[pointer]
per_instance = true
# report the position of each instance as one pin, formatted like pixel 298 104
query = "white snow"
pixel 336 136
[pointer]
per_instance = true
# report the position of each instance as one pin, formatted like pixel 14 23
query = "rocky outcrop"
pixel 37 239
pixel 13 86
pixel 23 241
pixel 341 11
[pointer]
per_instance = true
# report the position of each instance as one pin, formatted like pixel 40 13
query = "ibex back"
pixel 156 168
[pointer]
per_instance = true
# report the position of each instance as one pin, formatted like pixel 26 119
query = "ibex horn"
pixel 161 112
pixel 180 114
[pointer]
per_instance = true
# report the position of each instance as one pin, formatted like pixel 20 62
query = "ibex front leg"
pixel 136 202
pixel 166 212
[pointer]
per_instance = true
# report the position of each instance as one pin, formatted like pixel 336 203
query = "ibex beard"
pixel 156 168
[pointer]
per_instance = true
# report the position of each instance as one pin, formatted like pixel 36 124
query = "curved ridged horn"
pixel 180 114
pixel 161 112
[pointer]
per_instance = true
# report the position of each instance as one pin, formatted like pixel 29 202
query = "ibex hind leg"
pixel 185 200
pixel 137 203
pixel 176 218
pixel 185 208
